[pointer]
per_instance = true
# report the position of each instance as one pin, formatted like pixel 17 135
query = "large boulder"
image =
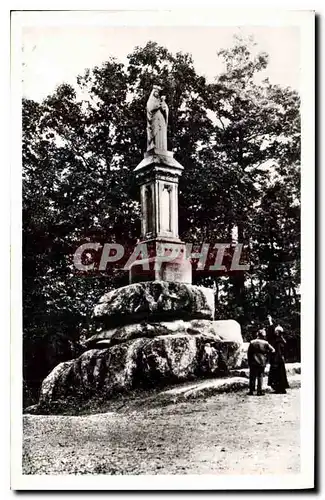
pixel 95 371
pixel 141 362
pixel 241 356
pixel 221 330
pixel 154 301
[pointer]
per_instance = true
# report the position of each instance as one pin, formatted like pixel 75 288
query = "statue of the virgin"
pixel 157 119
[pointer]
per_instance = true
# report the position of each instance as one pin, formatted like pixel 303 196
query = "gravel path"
pixel 223 434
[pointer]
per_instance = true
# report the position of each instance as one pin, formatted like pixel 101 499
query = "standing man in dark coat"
pixel 258 353
pixel 277 376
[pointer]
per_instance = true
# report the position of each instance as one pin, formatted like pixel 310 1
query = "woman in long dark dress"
pixel 277 374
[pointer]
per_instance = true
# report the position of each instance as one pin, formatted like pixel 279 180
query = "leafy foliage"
pixel 239 142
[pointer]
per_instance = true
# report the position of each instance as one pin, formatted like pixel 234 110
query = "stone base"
pixel 154 301
pixel 166 261
pixel 153 269
pixel 222 330
pixel 142 362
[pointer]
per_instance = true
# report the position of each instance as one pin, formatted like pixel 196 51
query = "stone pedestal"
pixel 157 176
pixel 167 261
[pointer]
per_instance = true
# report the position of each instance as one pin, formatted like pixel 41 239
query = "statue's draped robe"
pixel 157 118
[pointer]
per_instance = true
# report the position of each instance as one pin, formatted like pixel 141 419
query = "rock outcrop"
pixel 220 330
pixel 154 301
pixel 135 363
pixel 241 355
pixel 148 334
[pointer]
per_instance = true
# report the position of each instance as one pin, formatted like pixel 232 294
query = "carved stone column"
pixel 157 176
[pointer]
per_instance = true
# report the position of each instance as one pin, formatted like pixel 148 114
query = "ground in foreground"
pixel 223 434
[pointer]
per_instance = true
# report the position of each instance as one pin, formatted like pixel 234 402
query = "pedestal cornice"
pixel 158 164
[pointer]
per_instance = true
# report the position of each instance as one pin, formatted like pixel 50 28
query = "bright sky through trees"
pixel 56 54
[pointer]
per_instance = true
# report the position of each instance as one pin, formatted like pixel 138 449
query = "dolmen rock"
pixel 141 363
pixel 154 300
pixel 148 334
pixel 222 330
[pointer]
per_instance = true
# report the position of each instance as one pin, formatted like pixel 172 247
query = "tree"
pixel 257 140
pixel 71 195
